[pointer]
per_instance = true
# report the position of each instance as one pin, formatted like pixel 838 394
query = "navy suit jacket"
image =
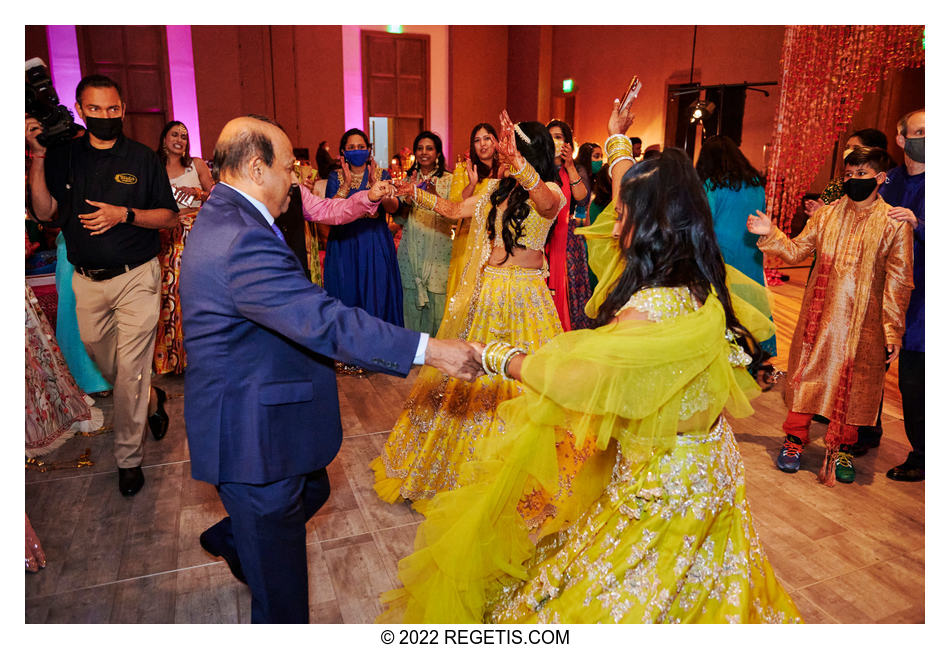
pixel 260 390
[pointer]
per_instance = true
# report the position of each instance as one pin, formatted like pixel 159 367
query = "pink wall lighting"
pixel 64 63
pixel 181 72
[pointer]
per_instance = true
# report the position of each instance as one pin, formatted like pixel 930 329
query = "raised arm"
pixel 579 190
pixel 337 211
pixel 772 241
pixel 546 201
pixel 43 203
pixel 618 146
pixel 434 202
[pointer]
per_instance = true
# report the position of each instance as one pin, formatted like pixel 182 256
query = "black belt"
pixel 101 274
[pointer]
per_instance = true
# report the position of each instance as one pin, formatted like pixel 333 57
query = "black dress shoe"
pixel 158 421
pixel 863 445
pixel 215 546
pixel 131 480
pixel 906 472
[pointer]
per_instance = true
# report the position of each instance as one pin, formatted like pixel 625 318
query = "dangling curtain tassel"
pixel 827 474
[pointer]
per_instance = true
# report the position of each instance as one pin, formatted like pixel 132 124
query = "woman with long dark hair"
pixel 471 179
pixel 501 294
pixel 590 159
pixel 191 184
pixel 426 245
pixel 567 255
pixel 617 492
pixel 734 189
pixel 360 267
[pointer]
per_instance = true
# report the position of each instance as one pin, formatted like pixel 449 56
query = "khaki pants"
pixel 117 322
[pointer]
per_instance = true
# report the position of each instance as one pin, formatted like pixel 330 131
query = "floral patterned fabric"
pixel 169 339
pixel 55 406
pixel 578 278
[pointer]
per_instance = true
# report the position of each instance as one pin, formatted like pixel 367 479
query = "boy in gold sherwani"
pixel 852 316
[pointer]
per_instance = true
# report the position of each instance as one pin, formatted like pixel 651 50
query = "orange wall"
pixel 524 60
pixel 225 89
pixel 291 73
pixel 295 73
pixel 602 59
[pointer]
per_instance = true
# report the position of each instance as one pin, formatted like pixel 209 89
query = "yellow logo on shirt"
pixel 126 179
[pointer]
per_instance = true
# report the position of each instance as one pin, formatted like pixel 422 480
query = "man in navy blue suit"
pixel 261 406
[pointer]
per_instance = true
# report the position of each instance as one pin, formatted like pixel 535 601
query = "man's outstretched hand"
pixel 454 357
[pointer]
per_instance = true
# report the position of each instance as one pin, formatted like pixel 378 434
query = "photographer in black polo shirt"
pixel 110 195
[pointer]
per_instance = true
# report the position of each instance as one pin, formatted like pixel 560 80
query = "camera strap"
pixel 70 180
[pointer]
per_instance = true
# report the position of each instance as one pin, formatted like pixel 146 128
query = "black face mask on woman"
pixel 858 189
pixel 104 128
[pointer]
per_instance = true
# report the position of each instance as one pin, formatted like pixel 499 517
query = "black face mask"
pixel 858 189
pixel 104 128
pixel 914 148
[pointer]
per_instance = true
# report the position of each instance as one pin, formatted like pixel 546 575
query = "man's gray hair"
pixel 232 155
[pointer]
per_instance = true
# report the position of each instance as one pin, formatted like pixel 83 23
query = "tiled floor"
pixel 852 553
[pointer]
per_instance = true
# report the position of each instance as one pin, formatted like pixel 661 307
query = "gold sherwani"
pixel 853 307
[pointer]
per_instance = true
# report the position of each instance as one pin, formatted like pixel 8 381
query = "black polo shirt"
pixel 128 175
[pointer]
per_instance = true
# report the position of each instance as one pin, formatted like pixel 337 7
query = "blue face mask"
pixel 595 165
pixel 356 157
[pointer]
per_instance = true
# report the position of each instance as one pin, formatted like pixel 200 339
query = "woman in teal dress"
pixel 734 190
pixel 360 266
pixel 87 375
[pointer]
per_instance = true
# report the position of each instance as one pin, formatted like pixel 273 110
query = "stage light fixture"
pixel 700 110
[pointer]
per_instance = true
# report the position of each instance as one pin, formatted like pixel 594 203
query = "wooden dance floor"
pixel 849 554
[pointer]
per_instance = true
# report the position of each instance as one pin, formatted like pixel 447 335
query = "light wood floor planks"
pixel 851 554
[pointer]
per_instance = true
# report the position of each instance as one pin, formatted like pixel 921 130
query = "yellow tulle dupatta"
pixel 623 382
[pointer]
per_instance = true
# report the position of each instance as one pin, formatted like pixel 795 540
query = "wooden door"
pixel 136 57
pixel 396 82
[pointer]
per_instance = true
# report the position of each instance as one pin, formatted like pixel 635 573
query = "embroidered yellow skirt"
pixel 444 417
pixel 669 541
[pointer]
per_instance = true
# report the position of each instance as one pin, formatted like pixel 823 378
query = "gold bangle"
pixel 527 176
pixel 495 356
pixel 618 147
pixel 424 199
pixel 514 351
pixel 618 141
pixel 488 357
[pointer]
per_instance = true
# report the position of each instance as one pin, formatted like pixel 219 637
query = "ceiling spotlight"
pixel 700 110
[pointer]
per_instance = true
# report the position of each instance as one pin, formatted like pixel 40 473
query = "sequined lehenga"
pixel 443 417
pixel 620 502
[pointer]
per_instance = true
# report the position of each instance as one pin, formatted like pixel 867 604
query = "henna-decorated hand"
pixel 619 121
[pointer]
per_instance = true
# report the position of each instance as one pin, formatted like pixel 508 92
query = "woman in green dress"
pixel 425 249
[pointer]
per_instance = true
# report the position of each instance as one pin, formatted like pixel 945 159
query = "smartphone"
pixel 632 91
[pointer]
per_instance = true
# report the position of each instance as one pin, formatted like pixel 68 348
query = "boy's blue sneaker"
pixel 789 458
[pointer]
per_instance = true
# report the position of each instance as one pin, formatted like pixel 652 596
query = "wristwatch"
pixel 129 215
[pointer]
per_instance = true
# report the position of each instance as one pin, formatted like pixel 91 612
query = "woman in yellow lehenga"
pixel 502 295
pixel 471 178
pixel 617 493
